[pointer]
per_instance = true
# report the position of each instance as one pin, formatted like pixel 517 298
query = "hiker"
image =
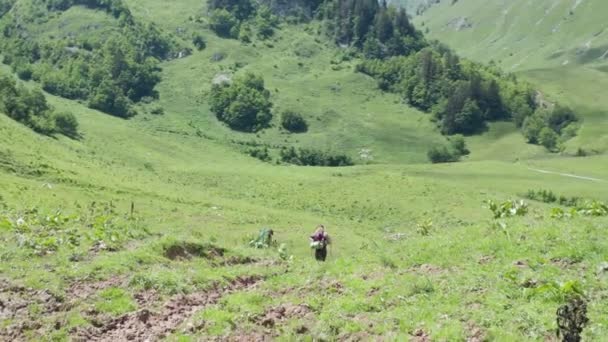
pixel 319 241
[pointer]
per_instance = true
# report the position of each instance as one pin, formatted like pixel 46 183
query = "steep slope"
pixel 560 45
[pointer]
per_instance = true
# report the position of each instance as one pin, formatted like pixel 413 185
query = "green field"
pixel 148 220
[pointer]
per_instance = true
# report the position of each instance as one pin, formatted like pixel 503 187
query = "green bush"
pixel 449 153
pixel 30 108
pixel 66 124
pixel 223 23
pixel 199 42
pixel 441 154
pixel 293 122
pixel 309 157
pixel 244 105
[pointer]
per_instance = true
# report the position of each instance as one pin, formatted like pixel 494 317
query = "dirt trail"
pixel 567 175
pixel 145 325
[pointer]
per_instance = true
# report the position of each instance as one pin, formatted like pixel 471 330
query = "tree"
pixel 243 105
pixel 548 138
pixel 293 122
pixel 109 98
pixel 66 124
pixel 532 126
pixel 441 154
pixel 459 145
pixel 223 23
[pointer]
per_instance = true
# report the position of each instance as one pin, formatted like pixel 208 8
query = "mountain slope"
pixel 562 46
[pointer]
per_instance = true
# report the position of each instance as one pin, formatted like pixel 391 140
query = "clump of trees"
pixel 239 18
pixel 372 26
pixel 293 122
pixel 243 104
pixel 310 157
pixel 30 108
pixel 547 126
pixel 111 75
pixel 462 96
pixel 450 152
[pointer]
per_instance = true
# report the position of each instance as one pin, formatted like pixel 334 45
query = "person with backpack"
pixel 319 241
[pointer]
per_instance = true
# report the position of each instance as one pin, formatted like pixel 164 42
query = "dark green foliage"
pixel 66 124
pixel 265 22
pixel 224 23
pixel 546 126
pixel 5 6
pixel 243 105
pixel 307 157
pixel 110 75
pixel 261 153
pixel 547 196
pixel 116 8
pixel 293 122
pixel 449 153
pixel 235 19
pixel 241 9
pixel 462 95
pixel 199 42
pixel 31 109
pixel 370 23
pixel 441 154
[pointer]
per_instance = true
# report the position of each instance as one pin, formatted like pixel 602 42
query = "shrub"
pixel 244 105
pixel 441 154
pixel 66 124
pixel 199 42
pixel 309 157
pixel 261 154
pixel 223 23
pixel 293 122
pixel 548 138
pixel 508 208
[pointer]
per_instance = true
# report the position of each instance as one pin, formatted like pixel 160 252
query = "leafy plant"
pixel 424 227
pixel 507 208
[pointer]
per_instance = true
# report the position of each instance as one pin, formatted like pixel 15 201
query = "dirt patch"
pixel 82 289
pixel 520 263
pixel 486 259
pixel 23 306
pixel 475 333
pixel 148 325
pixel 283 312
pixel 188 250
pixel 564 262
pixel 427 269
pixel 237 260
pixel 244 337
pixel 146 298
pixel 359 336
pixel 420 335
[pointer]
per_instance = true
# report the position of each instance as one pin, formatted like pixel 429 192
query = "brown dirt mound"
pixel 188 250
pixel 420 335
pixel 146 325
pixel 283 312
pixel 82 289
pixel 15 304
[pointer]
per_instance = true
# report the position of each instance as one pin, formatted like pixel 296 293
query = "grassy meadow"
pixel 416 253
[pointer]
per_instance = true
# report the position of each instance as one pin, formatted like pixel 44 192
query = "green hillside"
pixel 140 227
pixel 559 45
